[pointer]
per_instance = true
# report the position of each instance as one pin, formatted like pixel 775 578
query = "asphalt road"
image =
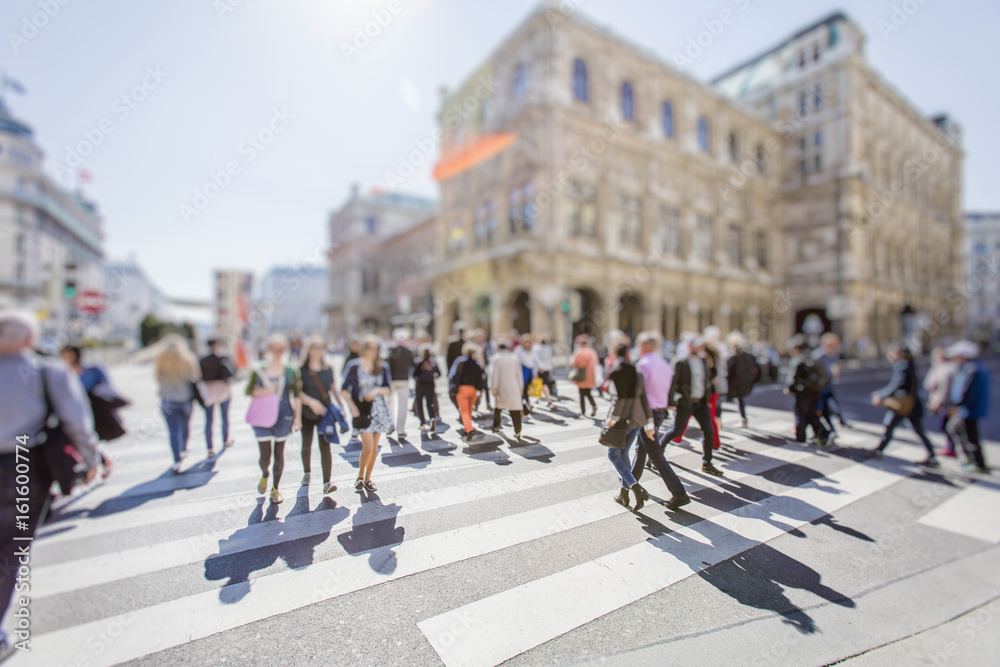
pixel 491 554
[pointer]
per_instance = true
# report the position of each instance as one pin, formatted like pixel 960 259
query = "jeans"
pixel 916 421
pixel 966 433
pixel 806 407
pixel 425 396
pixel 178 416
pixel 399 393
pixel 325 457
pixel 826 402
pixel 209 416
pixel 654 450
pixel 620 460
pixel 741 403
pixel 703 415
pixel 38 485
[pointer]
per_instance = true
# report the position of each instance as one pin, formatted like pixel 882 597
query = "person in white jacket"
pixel 507 387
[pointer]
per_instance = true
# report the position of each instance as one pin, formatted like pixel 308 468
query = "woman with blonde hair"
pixel 367 384
pixel 276 377
pixel 176 370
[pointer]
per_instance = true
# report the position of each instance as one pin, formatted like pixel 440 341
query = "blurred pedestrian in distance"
pixel 456 344
pixel 546 365
pixel 583 368
pixel 366 388
pixel 31 389
pixel 904 390
pixel 529 368
pixel 743 374
pixel 507 386
pixel 806 379
pixel 828 354
pixel 968 402
pixel 467 376
pixel 277 377
pixel 720 357
pixel 400 358
pixel 689 394
pixel 937 382
pixel 319 393
pixel 425 372
pixel 177 371
pixel 480 338
pixel 353 352
pixel 217 370
pixel 103 399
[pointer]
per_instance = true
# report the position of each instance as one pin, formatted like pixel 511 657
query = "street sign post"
pixel 91 301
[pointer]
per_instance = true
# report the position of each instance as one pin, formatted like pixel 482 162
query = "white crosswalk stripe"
pixel 433 477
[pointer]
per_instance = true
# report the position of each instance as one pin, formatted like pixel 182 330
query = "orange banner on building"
pixel 475 152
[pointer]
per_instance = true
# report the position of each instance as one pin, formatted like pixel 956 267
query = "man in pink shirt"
pixel 656 376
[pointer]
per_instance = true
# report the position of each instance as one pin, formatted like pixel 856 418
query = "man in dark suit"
pixel 689 393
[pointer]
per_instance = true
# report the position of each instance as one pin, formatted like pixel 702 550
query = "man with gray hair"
pixel 30 389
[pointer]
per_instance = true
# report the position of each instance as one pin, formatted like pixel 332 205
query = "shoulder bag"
pixel 263 410
pixel 616 437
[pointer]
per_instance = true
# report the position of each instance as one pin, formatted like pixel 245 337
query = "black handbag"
pixel 65 464
pixel 364 418
pixel 615 436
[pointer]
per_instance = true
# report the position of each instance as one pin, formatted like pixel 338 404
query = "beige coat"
pixel 507 381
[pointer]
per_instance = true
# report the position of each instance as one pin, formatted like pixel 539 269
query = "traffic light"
pixel 69 283
pixel 69 290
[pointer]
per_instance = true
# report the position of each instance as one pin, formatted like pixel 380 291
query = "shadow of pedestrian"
pixel 239 556
pixel 375 539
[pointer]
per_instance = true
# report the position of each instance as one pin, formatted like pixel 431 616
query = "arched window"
pixel 520 81
pixel 581 85
pixel 628 102
pixel 668 119
pixel 703 134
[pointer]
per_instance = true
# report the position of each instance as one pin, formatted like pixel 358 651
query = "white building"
pixel 51 241
pixel 131 296
pixel 292 299
pixel 982 273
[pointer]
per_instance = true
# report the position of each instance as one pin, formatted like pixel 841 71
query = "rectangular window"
pixel 369 282
pixel 803 167
pixel 818 160
pixel 704 245
pixel 818 97
pixel 630 221
pixel 735 244
pixel 762 249
pixel 670 231
pixel 818 138
pixel 371 226
pixel 583 209
pixel 803 104
pixel 802 144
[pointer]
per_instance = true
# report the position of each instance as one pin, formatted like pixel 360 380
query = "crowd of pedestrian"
pixel 381 384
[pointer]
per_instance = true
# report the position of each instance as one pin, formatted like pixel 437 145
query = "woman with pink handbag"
pixel 275 411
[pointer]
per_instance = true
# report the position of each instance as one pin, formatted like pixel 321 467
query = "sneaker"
pixel 262 486
pixel 175 467
pixel 305 479
pixel 423 427
pixel 830 439
pixel 517 437
pixel 211 453
pixel 370 486
pixel 711 470
pixel 678 501
pixel 433 426
pixel 276 496
pixel 391 430
pixel 359 484
pixel 744 423
pixel 495 429
pixel 402 435
pixel 329 488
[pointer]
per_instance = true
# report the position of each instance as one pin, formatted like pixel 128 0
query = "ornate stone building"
pixel 871 188
pixel 618 202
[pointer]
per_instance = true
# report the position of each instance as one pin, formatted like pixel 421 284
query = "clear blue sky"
pixel 225 76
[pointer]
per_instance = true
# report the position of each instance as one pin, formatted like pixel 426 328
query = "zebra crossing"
pixel 149 562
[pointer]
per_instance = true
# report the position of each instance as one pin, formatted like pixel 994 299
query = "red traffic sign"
pixel 91 301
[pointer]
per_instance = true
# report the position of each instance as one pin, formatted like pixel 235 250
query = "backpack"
pixel 814 377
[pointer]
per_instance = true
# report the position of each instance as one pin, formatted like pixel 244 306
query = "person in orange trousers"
pixel 467 375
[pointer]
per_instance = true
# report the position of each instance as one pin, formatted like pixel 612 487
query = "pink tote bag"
pixel 263 410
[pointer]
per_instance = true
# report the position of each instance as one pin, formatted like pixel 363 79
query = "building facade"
pixel 982 276
pixel 377 242
pixel 51 241
pixel 292 299
pixel 872 189
pixel 131 296
pixel 618 204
